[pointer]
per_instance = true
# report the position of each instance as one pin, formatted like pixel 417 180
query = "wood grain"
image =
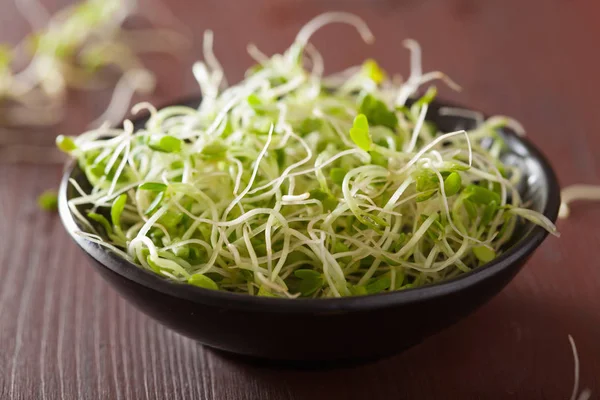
pixel 64 334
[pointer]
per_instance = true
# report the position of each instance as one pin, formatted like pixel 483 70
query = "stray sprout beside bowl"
pixel 332 329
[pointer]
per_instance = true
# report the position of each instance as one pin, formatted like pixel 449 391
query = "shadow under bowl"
pixel 326 331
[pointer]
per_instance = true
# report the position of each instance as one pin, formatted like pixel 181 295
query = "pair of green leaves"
pixel 306 282
pixel 373 112
pixel 427 183
pixel 476 197
pixel 428 180
pixel 359 133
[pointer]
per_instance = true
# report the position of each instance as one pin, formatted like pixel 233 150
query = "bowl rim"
pixel 126 269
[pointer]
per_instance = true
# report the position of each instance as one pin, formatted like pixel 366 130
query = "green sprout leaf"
pixel 378 159
pixel 116 210
pixel 488 213
pixel 340 247
pixel 426 195
pixel 203 281
pixel 65 143
pixel 452 184
pixel 307 274
pixel 166 144
pixel 170 219
pixel 309 125
pixel 359 133
pixel 48 201
pixel 484 254
pixel 309 282
pixel 426 181
pixel 428 97
pixel 254 101
pixel 377 112
pixel 436 229
pixel 155 203
pixel 90 13
pixel 263 291
pixel 400 278
pixel 371 69
pixel 328 200
pixel 358 290
pixel 214 151
pixel 481 195
pixel 155 267
pixel 372 221
pixel 470 208
pixel 153 186
pixel 6 57
pixel 102 221
pixel 337 175
pixel 379 285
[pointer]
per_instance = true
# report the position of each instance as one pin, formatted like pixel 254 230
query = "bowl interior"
pixel 538 188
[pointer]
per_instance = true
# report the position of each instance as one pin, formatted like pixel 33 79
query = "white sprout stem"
pixel 429 146
pixel 133 81
pixel 334 17
pixel 574 193
pixel 417 129
pixel 254 173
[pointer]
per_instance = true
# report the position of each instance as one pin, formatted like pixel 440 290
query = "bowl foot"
pixel 306 365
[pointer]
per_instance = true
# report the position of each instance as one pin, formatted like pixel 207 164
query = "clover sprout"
pixel 291 184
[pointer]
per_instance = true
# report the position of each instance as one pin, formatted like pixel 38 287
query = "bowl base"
pixel 304 365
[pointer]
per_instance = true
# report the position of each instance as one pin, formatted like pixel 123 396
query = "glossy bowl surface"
pixel 327 330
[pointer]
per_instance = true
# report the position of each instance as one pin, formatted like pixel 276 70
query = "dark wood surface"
pixel 64 334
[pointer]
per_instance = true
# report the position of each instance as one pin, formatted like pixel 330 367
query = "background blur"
pixel 64 333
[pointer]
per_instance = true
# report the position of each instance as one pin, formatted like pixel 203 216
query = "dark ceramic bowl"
pixel 328 330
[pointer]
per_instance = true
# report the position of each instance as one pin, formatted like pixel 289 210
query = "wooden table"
pixel 64 334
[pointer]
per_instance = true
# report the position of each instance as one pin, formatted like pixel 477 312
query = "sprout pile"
pixel 71 49
pixel 294 184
